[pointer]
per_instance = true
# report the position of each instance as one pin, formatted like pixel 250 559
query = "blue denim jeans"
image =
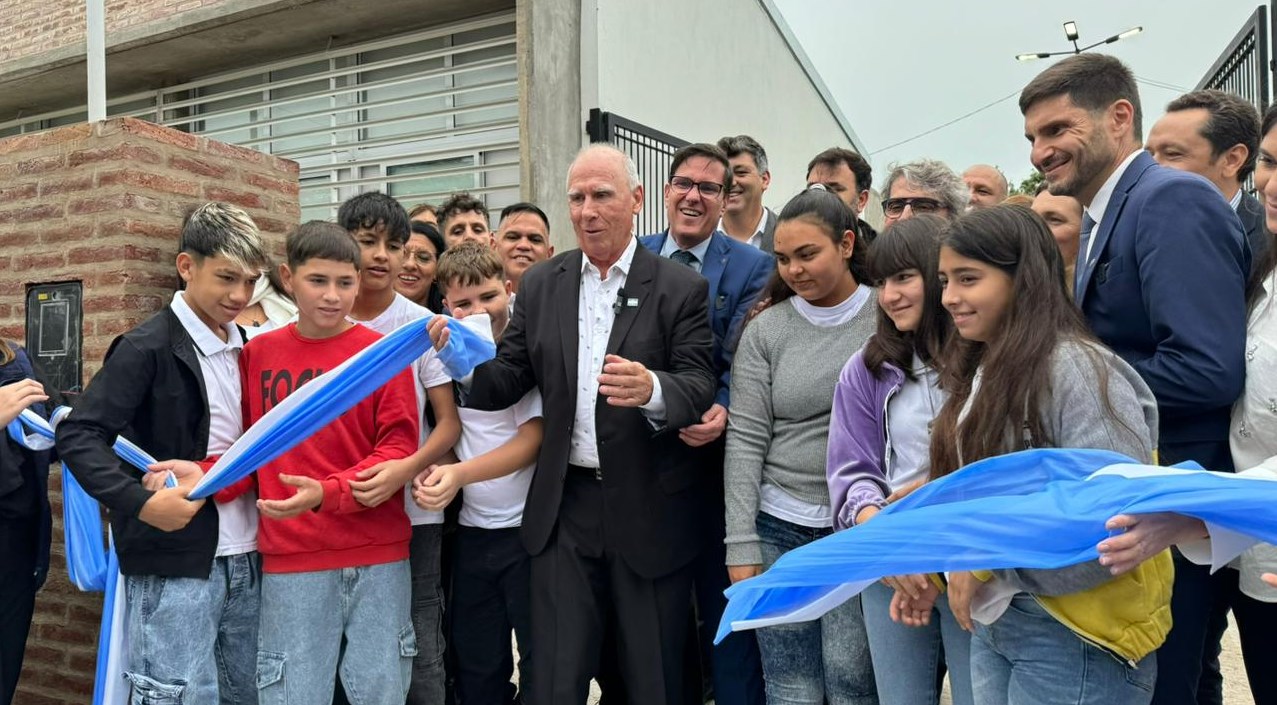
pixel 906 658
pixel 305 615
pixel 1027 657
pixel 817 662
pixel 193 640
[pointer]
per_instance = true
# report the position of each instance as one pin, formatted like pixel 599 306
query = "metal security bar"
pixel 418 116
pixel 1242 68
pixel 652 152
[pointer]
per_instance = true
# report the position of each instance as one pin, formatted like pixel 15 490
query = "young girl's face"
pixel 901 297
pixel 976 294
pixel 812 264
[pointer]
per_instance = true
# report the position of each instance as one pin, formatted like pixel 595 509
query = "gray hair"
pixel 631 171
pixel 217 228
pixel 934 177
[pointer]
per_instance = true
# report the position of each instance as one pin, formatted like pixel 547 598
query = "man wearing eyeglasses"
pixel 923 186
pixel 700 180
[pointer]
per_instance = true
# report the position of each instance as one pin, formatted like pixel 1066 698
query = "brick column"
pixel 103 204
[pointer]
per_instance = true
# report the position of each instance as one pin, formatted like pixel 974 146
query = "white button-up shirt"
pixel 596 312
pixel 755 240
pixel 1100 203
pixel 699 251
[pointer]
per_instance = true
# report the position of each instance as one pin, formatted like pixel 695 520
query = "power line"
pixel 958 119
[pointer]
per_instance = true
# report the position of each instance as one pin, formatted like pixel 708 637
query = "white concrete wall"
pixel 705 69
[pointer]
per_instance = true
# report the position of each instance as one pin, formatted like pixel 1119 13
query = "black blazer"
pixel 650 477
pixel 1251 214
pixel 151 390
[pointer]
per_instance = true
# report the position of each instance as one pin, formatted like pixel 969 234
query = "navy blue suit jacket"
pixel 736 273
pixel 1163 287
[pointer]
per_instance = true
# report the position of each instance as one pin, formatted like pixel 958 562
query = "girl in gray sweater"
pixel 783 380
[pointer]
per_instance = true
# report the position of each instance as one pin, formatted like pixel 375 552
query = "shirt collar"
pixel 1236 200
pixel 758 229
pixel 206 340
pixel 622 265
pixel 699 250
pixel 1102 197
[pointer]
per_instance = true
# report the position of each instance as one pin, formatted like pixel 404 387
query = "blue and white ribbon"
pixel 1034 509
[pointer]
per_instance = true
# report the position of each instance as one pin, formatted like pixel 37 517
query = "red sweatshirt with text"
pixel 341 533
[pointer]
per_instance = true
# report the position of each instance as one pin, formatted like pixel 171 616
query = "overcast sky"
pixel 898 69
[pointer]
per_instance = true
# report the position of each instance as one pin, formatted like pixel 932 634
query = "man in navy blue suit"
pixel 1160 277
pixel 699 180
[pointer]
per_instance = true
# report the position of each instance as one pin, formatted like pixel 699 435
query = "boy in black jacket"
pixel 172 386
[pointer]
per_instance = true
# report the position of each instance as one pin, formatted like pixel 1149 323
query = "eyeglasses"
pixel 708 189
pixel 895 206
pixel 422 256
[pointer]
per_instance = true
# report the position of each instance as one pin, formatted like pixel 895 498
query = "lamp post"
pixel 1071 34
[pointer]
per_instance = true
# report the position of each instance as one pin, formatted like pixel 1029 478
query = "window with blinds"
pixel 418 116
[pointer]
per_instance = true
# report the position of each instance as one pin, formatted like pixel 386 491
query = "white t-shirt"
pixel 429 373
pixel 496 503
pixel 251 332
pixel 219 366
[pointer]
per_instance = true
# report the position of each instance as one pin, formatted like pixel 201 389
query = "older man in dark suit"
pixel 618 342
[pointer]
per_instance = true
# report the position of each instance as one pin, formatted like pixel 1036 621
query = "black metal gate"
pixel 1243 68
pixel 652 152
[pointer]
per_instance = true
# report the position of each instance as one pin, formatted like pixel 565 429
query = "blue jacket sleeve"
pixel 755 281
pixel 1192 277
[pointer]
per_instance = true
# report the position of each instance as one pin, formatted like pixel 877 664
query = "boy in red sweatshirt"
pixel 332 567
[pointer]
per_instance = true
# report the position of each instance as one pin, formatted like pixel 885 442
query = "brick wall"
pixel 36 27
pixel 102 204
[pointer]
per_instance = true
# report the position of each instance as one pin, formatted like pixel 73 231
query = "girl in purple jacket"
pixel 879 436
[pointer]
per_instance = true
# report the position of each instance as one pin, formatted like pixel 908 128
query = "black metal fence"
pixel 1243 67
pixel 652 152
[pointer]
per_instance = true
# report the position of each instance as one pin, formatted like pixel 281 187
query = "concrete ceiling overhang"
pixel 230 35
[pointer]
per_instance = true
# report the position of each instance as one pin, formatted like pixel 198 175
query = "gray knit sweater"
pixel 783 379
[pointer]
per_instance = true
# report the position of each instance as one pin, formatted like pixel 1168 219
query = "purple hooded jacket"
pixel 856 464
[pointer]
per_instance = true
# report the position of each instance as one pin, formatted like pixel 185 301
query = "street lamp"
pixel 1071 34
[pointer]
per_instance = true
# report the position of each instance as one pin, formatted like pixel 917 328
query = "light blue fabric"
pixel 1034 509
pixel 330 395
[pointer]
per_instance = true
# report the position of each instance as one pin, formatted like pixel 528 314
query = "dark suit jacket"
pixel 736 274
pixel 1251 213
pixel 1163 287
pixel 768 243
pixel 649 477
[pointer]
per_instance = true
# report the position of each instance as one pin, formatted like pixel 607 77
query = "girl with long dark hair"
pixel 783 377
pixel 1024 372
pixel 887 397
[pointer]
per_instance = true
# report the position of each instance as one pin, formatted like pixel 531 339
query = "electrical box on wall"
pixel 54 332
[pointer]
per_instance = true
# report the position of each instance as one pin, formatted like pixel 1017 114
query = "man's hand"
pixel 435 488
pixel 737 573
pixel 962 587
pixel 169 509
pixel 380 482
pixel 185 472
pixel 625 383
pixel 438 329
pixel 712 425
pixel 16 397
pixel 1145 536
pixel 912 585
pixel 309 495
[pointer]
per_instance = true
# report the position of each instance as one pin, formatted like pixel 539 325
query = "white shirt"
pixel 830 316
pixel 756 240
pixel 429 373
pixel 495 503
pixel 1252 435
pixel 266 326
pixel 219 366
pixel 1101 201
pixel 595 315
pixel 699 251
pixel 1236 200
pixel 910 412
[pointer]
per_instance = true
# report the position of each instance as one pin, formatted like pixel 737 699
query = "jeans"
pixel 905 658
pixel 427 687
pixel 305 615
pixel 193 640
pixel 1027 657
pixel 817 662
pixel 492 583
